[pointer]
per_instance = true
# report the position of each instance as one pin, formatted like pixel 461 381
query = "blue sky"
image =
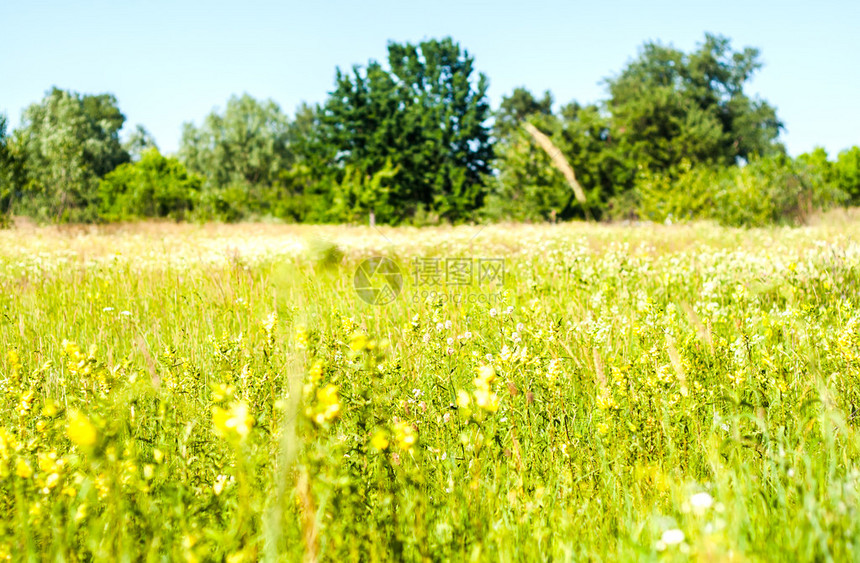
pixel 173 61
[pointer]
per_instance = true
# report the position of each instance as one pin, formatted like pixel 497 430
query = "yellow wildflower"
pixel 315 373
pixel 47 461
pixel 23 469
pixel 270 322
pixel 358 342
pixel 486 399
pixel 221 392
pixel 380 440
pixel 301 338
pixel 80 513
pixel 80 430
pixel 27 398
pixel 235 422
pixel 404 435
pixel 463 399
pixel 50 409
pixel 486 376
pixel 14 362
pixel 328 404
pixel 553 369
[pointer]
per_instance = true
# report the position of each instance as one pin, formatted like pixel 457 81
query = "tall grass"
pixel 221 393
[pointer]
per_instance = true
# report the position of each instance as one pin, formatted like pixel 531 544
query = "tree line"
pixel 415 140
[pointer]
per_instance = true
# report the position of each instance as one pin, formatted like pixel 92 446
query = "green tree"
pixel 138 142
pixel 67 142
pixel 154 186
pixel 843 173
pixel 246 145
pixel 515 108
pixel 672 106
pixel 528 187
pixel 7 188
pixel 847 173
pixel 425 116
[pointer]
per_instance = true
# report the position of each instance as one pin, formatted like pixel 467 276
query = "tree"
pixel 527 185
pixel 847 173
pixel 154 186
pixel 843 173
pixel 672 106
pixel 246 145
pixel 6 186
pixel 138 142
pixel 514 109
pixel 425 116
pixel 67 143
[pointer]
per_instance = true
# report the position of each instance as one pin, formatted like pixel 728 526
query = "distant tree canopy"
pixel 666 110
pixel 66 143
pixel 138 142
pixel 424 120
pixel 670 106
pixel 527 185
pixel 518 106
pixel 413 139
pixel 153 186
pixel 247 144
pixel 7 184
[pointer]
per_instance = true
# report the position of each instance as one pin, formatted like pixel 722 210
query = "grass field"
pixel 588 392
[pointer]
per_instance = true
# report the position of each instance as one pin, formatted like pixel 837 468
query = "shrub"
pixel 155 186
pixel 775 189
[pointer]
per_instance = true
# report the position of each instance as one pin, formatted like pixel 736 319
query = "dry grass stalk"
pixel 309 524
pixel 598 370
pixel 558 160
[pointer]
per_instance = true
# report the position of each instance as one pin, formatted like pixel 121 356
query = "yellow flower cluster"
pixel 380 440
pixel 13 363
pixel 404 435
pixel 553 369
pixel 327 406
pixel 270 322
pixel 80 430
pixel 485 397
pixel 233 423
pixel 77 363
pixel 302 338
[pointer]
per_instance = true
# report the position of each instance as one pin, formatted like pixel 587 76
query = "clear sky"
pixel 174 61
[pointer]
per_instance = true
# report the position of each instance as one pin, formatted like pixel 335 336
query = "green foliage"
pixel 686 195
pixel 515 108
pixel 528 187
pixel 672 106
pixel 247 144
pixel 847 173
pixel 769 190
pixel 359 194
pixel 154 186
pixel 409 140
pixel 67 143
pixel 425 115
pixel 7 188
pixel 138 142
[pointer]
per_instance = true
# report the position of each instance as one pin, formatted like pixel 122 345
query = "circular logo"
pixel 378 281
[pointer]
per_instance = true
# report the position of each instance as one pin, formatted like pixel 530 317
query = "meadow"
pixel 517 392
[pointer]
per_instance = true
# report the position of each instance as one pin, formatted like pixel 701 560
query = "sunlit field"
pixel 515 392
